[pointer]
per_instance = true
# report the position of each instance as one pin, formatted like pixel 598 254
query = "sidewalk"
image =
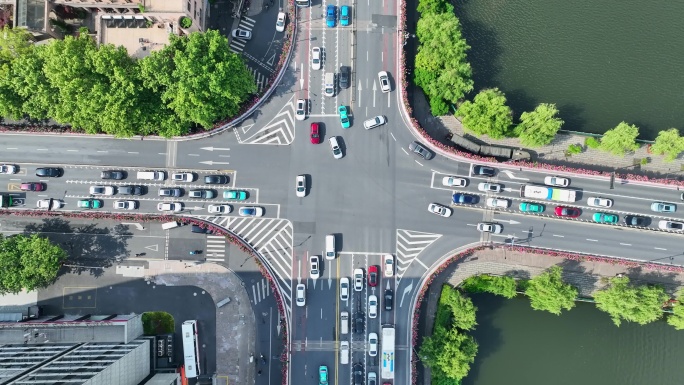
pixel 554 153
pixel 587 277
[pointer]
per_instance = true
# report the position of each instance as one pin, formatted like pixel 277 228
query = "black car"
pixel 358 323
pixel 358 374
pixel 635 220
pixel 170 192
pixel 389 297
pixel 131 190
pixel 421 151
pixel 49 172
pixel 216 179
pixel 484 170
pixel 344 77
pixel 112 174
pixel 199 229
pixel 464 199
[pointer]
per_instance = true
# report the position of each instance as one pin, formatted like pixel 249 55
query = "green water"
pixel 519 346
pixel 600 62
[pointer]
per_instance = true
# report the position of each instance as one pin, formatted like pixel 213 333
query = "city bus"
pixel 190 349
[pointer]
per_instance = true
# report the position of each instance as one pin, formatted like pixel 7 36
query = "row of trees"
pixel 622 300
pixel 28 263
pixel 194 81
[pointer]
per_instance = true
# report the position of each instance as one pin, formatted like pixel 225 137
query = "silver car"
pixel 489 187
pixel 384 82
pixel 662 207
pixel 170 206
pixel 300 112
pixel 101 190
pixel 301 294
pixel 344 288
pixel 242 34
pixel 316 58
pixel 453 181
pixel 420 150
pixel 374 122
pixel 335 147
pixel 489 227
pixel 125 205
pixel 358 279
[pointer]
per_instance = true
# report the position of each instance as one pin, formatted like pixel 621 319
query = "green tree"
pixel 199 78
pixel 640 304
pixel 434 6
pixel 39 98
pixel 441 68
pixel 676 319
pixel 461 310
pixel 620 139
pixel 449 352
pixel 548 292
pixel 487 114
pixel 539 127
pixel 28 263
pixel 483 283
pixel 15 43
pixel 668 143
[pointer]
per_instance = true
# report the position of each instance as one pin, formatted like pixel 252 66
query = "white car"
pixel 671 225
pixel 384 82
pixel 219 209
pixel 373 344
pixel 374 122
pixel 125 205
pixel 101 190
pixel 438 209
pixel 316 60
pixel 335 147
pixel 183 177
pixel 489 187
pixel 452 181
pixel 372 306
pixel 315 271
pixel 389 265
pixel 242 34
pixel 300 188
pixel 358 279
pixel 8 169
pixel 300 113
pixel 489 227
pixel 170 206
pixel 344 288
pixel 556 181
pixel 301 294
pixel 50 204
pixel 599 202
pixel 498 202
pixel 280 22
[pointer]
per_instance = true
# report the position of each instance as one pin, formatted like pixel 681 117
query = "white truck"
pixel 548 193
pixel 387 367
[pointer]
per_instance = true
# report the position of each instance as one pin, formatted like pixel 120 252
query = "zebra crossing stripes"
pixel 260 290
pixel 238 45
pixel 216 248
pixel 409 245
pixel 259 78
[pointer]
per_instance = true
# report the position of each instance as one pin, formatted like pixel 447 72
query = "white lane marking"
pixel 625 244
pixel 405 152
pixel 72 150
pixel 102 151
pixel 12 148
pixel 193 154
pixel 395 139
pixel 559 236
pixel 41 149
pixel 417 162
pixel 660 248
pixel 592 240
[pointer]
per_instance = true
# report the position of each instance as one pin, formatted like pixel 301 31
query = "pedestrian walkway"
pixel 216 248
pixel 238 45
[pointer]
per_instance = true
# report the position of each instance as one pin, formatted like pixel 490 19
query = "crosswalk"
pixel 238 45
pixel 409 245
pixel 272 238
pixel 260 290
pixel 216 248
pixel 280 130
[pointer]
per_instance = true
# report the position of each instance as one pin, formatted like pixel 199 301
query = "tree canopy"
pixel 548 292
pixel 434 6
pixel 28 262
pixel 195 80
pixel 503 286
pixel 620 139
pixel 487 114
pixel 622 301
pixel 539 127
pixel 449 352
pixel 460 311
pixel 676 319
pixel 668 143
pixel 441 66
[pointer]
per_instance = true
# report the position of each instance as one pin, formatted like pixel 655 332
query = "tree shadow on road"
pixel 89 248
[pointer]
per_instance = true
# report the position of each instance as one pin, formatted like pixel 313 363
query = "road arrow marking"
pixel 153 247
pixel 215 149
pixel 278 328
pixel 406 291
pixel 137 225
pixel 375 88
pixel 512 222
pixel 195 208
pixel 512 176
pixel 211 162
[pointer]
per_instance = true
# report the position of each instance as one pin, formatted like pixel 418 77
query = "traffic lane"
pixel 590 238
pixel 83 150
pixel 305 362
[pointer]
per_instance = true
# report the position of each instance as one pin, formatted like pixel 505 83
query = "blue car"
pixel 330 16
pixel 464 199
pixel 345 15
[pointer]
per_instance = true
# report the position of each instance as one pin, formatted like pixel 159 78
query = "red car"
pixel 32 186
pixel 315 137
pixel 372 275
pixel 569 212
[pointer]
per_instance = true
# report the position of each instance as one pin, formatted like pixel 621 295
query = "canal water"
pixel 521 346
pixel 600 62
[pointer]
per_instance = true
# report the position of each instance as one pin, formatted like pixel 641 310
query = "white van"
pixel 151 175
pixel 344 322
pixel 170 225
pixel 329 84
pixel 344 352
pixel 374 122
pixel 330 247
